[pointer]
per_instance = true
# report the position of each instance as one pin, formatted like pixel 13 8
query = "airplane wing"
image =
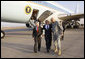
pixel 71 17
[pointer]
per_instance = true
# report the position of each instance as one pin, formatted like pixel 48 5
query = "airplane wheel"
pixel 2 34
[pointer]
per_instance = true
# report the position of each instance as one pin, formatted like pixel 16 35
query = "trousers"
pixel 48 40
pixel 37 44
pixel 57 41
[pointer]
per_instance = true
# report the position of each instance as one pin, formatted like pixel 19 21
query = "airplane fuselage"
pixel 21 11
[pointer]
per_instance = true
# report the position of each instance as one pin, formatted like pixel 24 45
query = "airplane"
pixel 28 12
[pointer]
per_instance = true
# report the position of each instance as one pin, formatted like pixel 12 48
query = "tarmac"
pixel 18 43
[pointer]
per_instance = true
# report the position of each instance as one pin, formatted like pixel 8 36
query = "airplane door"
pixel 45 15
pixel 34 14
pixel 33 18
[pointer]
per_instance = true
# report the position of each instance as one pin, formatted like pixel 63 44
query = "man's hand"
pixel 42 35
pixel 62 36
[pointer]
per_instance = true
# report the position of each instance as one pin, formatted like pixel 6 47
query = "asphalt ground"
pixel 18 43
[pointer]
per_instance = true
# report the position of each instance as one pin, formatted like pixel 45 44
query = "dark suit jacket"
pixel 48 32
pixel 37 34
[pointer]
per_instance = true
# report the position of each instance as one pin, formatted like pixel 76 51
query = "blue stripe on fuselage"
pixel 51 6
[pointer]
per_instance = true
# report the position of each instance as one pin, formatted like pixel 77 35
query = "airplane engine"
pixel 27 25
pixel 2 34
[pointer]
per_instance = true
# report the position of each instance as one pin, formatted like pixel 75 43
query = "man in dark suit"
pixel 37 32
pixel 48 34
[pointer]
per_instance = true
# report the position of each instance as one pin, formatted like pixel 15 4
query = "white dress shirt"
pixel 46 26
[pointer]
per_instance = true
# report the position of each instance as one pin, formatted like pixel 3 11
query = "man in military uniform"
pixel 57 32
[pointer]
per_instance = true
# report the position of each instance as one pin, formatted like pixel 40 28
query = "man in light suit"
pixel 57 32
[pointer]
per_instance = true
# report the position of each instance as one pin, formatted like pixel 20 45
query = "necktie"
pixel 37 28
pixel 47 26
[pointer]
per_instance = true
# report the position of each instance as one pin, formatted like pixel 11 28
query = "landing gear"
pixel 2 34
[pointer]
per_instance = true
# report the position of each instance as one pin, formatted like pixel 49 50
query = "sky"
pixel 71 5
